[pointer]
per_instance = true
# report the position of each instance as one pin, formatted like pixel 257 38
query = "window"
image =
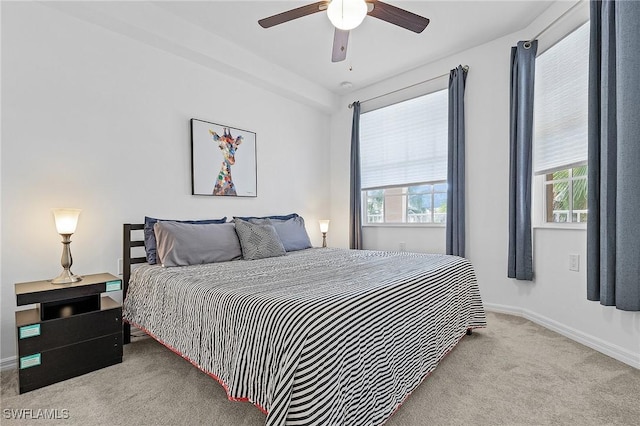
pixel 403 152
pixel 422 203
pixel 560 144
pixel 566 195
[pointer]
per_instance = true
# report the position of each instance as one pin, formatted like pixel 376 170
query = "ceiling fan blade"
pixel 340 41
pixel 400 17
pixel 292 14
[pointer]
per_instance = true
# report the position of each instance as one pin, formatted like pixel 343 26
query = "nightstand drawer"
pixel 38 336
pixel 47 367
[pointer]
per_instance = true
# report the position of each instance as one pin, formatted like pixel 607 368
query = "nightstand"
pixel 73 330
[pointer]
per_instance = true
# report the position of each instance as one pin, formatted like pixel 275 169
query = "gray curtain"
pixel 613 233
pixel 355 207
pixel 455 164
pixel 520 261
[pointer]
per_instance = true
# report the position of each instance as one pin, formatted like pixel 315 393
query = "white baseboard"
pixel 614 351
pixel 8 363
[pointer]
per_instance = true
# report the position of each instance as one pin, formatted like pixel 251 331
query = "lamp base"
pixel 66 277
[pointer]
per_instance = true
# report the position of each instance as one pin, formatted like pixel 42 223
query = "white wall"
pixel 557 296
pixel 95 120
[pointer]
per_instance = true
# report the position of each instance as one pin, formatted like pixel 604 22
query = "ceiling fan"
pixel 345 15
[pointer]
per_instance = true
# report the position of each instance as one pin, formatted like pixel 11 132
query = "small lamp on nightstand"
pixel 66 222
pixel 324 228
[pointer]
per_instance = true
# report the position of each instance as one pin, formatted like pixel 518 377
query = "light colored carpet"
pixel 512 373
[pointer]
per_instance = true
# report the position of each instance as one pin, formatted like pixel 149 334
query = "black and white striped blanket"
pixel 317 337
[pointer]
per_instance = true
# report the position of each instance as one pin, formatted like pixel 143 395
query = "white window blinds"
pixel 560 106
pixel 405 143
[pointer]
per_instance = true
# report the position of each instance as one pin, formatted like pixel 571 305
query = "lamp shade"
pixel 346 14
pixel 66 220
pixel 324 226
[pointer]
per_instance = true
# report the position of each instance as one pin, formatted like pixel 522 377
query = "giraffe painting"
pixel 212 144
pixel 228 145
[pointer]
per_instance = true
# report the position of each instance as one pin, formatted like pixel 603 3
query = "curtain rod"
pixel 527 44
pixel 465 68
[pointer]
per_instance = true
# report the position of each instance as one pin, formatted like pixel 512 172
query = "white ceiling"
pixel 376 49
pixel 295 57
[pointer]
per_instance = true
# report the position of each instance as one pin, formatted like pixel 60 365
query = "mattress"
pixel 317 337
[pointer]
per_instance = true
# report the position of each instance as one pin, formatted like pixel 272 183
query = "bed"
pixel 320 336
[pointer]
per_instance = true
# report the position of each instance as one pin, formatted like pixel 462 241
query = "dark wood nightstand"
pixel 72 331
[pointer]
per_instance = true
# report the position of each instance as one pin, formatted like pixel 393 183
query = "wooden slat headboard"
pixel 127 260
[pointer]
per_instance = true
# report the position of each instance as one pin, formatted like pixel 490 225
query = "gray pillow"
pixel 292 232
pixel 181 244
pixel 258 240
pixel 150 236
pixel 278 217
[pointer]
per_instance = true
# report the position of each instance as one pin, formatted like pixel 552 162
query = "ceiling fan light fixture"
pixel 347 14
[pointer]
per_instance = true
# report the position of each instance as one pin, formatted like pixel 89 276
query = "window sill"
pixel 562 226
pixel 404 225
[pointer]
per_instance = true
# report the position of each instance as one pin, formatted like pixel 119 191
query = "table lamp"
pixel 66 222
pixel 324 228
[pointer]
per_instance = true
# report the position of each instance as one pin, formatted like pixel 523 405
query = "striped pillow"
pixel 258 240
pixel 292 232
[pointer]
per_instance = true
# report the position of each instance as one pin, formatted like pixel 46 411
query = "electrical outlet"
pixel 403 246
pixel 120 267
pixel 574 262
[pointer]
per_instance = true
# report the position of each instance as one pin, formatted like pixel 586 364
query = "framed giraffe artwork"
pixel 223 160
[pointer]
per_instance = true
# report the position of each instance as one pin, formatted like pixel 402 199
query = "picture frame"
pixel 223 160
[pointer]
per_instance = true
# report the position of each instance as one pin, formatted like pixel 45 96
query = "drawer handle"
pixel 30 361
pixel 112 285
pixel 27 331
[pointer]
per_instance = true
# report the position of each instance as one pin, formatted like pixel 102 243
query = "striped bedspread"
pixel 316 337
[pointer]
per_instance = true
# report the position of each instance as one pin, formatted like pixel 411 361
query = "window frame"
pixel 540 183
pixel 383 101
